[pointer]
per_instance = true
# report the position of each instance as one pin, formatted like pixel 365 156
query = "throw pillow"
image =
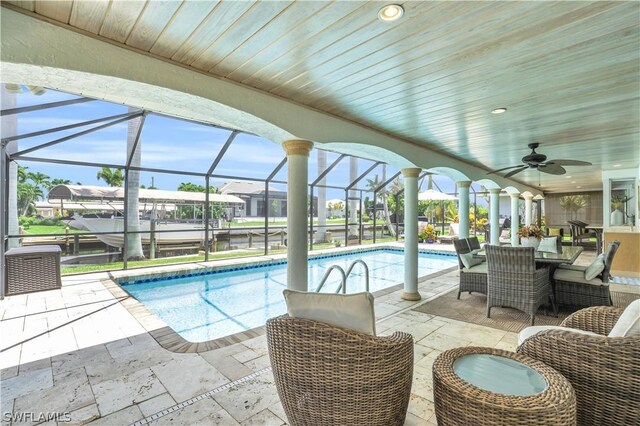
pixel 595 268
pixel 468 260
pixel 553 232
pixel 629 322
pixel 352 311
pixel 505 234
pixel 548 245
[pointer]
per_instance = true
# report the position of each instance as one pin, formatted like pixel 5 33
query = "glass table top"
pixel 569 255
pixel 499 375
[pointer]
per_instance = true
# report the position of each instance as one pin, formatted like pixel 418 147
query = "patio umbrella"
pixel 433 195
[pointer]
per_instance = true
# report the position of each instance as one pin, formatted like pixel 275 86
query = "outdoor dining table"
pixel 568 255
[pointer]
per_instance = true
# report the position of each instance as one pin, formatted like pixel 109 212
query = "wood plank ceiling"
pixel 568 72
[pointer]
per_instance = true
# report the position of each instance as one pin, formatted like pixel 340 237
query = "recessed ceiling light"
pixel 617 165
pixel 567 177
pixel 499 111
pixel 578 186
pixel 390 12
pixel 573 181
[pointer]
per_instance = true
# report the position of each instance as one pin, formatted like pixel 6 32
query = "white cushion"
pixel 595 268
pixel 505 234
pixel 629 322
pixel 548 245
pixel 533 330
pixel 480 268
pixel 575 276
pixel 469 261
pixel 572 267
pixel 352 311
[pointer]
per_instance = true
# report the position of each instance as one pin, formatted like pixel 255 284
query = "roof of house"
pixel 248 188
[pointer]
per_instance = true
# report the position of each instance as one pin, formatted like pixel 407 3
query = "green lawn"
pixel 51 229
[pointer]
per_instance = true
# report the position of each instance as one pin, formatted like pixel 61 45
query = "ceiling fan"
pixel 539 161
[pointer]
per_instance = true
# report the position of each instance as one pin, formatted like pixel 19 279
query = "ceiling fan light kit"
pixel 538 161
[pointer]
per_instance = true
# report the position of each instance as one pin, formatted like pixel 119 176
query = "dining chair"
pixel 513 280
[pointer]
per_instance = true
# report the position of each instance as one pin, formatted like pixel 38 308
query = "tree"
pixel 134 239
pixel 113 177
pixel 216 210
pixel 372 185
pixel 192 187
pixel 55 182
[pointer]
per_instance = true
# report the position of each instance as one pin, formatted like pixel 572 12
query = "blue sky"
pixel 166 143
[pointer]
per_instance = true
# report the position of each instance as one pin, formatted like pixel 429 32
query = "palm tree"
pixel 372 185
pixel 113 177
pixel 134 240
pixel 55 182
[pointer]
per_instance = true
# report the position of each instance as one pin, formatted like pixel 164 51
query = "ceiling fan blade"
pixel 505 168
pixel 569 163
pixel 513 172
pixel 552 169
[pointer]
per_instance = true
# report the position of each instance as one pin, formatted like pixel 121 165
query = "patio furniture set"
pixel 584 372
pixel 525 279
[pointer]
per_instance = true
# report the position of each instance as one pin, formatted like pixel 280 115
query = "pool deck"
pixel 78 350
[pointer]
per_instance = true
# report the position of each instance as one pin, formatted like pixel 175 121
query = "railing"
pixel 366 272
pixel 343 284
pixel 344 275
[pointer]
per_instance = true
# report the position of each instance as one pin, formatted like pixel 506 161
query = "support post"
pixel 4 213
pixel 494 215
pixel 515 219
pixel 297 249
pixel 411 234
pixel 528 204
pixel 207 214
pixel 463 208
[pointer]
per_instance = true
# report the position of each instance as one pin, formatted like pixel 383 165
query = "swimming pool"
pixel 206 306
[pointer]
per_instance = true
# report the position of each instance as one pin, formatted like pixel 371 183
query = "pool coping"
pixel 170 340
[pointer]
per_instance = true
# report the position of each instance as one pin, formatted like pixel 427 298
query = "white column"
pixel 411 234
pixel 494 215
pixel 515 219
pixel 463 207
pixel 298 173
pixel 528 206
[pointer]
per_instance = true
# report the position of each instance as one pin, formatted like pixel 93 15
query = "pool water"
pixel 206 307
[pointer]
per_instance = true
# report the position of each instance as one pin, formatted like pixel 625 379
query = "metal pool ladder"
pixel 344 275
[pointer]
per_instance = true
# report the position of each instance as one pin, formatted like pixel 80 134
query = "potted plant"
pixel 428 234
pixel 530 236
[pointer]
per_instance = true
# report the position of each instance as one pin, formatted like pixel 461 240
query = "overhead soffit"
pixel 568 72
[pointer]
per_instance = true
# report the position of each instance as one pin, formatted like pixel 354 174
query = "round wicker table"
pixel 509 389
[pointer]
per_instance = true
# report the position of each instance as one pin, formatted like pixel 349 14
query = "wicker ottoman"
pixel 523 391
pixel 30 269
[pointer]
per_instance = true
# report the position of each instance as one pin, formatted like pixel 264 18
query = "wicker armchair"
pixel 574 290
pixel 604 371
pixel 513 280
pixel 326 375
pixel 473 279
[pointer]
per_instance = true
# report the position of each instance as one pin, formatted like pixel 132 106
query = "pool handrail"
pixel 366 271
pixel 345 276
pixel 343 283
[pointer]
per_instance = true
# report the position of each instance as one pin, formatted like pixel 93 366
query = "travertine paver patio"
pixel 78 350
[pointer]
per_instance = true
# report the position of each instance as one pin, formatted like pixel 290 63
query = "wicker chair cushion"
pixel 570 275
pixel 352 311
pixel 480 268
pixel 548 245
pixel 469 261
pixel 535 329
pixel 572 267
pixel 629 322
pixel 552 232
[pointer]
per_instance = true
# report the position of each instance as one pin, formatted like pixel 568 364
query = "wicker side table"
pixel 29 269
pixel 524 391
